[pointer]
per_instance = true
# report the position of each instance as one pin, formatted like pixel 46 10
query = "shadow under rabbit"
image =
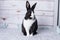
pixel 42 30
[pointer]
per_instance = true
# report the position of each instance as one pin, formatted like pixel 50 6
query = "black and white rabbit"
pixel 29 24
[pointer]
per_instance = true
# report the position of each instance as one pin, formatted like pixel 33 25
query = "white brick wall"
pixel 15 10
pixel 59 13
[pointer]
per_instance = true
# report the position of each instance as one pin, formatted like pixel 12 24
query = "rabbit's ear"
pixel 33 7
pixel 27 5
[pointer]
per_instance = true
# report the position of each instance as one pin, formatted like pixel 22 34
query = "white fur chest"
pixel 28 23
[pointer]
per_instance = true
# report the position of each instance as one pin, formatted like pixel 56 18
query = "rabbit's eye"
pixel 28 14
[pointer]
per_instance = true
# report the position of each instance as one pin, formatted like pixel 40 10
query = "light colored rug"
pixel 15 34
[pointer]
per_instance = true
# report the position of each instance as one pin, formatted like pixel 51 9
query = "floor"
pixel 15 34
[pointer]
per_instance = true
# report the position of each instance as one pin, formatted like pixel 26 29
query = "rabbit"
pixel 29 23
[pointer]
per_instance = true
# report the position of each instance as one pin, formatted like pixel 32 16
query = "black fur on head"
pixel 29 10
